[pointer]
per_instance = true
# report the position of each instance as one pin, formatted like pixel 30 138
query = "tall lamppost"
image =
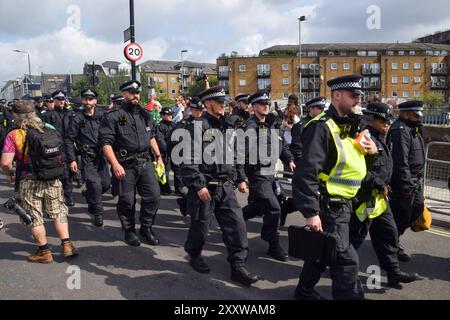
pixel 182 70
pixel 29 68
pixel 302 18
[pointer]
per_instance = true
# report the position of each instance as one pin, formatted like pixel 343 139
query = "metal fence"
pixel 442 119
pixel 436 181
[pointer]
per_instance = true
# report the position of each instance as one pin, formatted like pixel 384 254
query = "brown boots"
pixel 41 256
pixel 45 256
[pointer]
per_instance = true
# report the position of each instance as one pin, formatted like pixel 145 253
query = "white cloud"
pixel 66 51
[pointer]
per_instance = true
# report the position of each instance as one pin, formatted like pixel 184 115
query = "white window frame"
pixel 394 64
pixel 242 82
pixel 405 65
pixel 331 66
pixel 394 80
pixel 417 66
pixel 242 68
pixel 347 66
pixel 285 81
pixel 285 67
pixel 405 79
pixel 417 79
pixel 405 94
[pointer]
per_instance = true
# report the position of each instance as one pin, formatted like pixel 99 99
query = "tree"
pixel 432 100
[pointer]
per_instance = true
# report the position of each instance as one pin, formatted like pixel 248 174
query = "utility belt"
pixel 131 158
pixel 86 150
pixel 328 202
pixel 215 184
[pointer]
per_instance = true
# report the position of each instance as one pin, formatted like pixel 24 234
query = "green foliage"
pixel 432 100
pixel 198 86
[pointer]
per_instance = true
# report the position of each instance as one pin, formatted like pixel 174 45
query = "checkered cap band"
pixel 318 104
pixel 213 95
pixel 346 85
pixel 261 98
pixel 59 95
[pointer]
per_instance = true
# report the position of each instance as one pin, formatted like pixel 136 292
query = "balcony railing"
pixel 263 73
pixel 309 72
pixel 370 71
pixel 439 85
pixel 439 71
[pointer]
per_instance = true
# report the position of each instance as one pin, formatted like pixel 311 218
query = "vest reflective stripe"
pixel 350 168
pixel 372 208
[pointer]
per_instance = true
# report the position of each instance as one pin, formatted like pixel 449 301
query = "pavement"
pixel 109 269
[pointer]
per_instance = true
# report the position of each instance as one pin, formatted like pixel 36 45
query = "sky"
pixel 61 35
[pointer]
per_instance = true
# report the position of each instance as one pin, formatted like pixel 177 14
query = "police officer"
pixel 196 111
pixel 408 152
pixel 49 103
pixel 59 118
pixel 372 211
pixel 6 122
pixel 324 184
pixel 315 107
pixel 117 100
pixel 163 131
pixel 126 135
pixel 262 199
pixel 39 106
pixel 211 189
pixel 241 114
pixel 82 140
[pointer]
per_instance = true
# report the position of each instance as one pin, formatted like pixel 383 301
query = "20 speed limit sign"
pixel 133 52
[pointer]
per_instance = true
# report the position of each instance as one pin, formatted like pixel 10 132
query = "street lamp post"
pixel 132 38
pixel 302 18
pixel 29 66
pixel 182 70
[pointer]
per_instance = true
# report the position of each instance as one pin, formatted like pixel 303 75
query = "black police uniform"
pixel 163 131
pixel 311 198
pixel 82 140
pixel 382 229
pixel 129 130
pixel 239 117
pixel 6 123
pixel 262 199
pixel 219 178
pixel 408 152
pixel 59 118
pixel 40 111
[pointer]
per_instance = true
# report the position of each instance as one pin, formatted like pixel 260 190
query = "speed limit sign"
pixel 133 52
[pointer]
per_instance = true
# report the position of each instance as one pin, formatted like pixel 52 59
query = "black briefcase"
pixel 312 246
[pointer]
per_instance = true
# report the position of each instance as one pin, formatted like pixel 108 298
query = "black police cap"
pixel 319 102
pixel 48 98
pixel 215 93
pixel 166 111
pixel 352 83
pixel 38 99
pixel 260 97
pixel 132 86
pixel 117 98
pixel 195 103
pixel 89 93
pixel 413 105
pixel 378 109
pixel 59 95
pixel 242 98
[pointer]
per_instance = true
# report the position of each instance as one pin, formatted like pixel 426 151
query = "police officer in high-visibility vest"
pixel 325 183
pixel 372 211
pixel 408 152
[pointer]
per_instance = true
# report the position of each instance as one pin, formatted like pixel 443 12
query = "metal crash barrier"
pixel 436 181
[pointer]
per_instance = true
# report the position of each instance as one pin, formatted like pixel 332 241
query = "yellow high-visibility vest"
pixel 350 169
pixel 372 208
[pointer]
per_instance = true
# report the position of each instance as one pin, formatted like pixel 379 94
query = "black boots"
pixel 132 239
pixel 199 264
pixel 402 256
pixel 148 236
pixel 98 220
pixel 277 252
pixel 302 293
pixel 397 277
pixel 240 274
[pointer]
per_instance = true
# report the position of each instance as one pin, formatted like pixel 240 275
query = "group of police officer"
pixel 339 188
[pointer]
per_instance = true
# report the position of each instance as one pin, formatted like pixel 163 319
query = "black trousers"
pixel 139 177
pixel 178 182
pixel 407 210
pixel 383 235
pixel 229 216
pixel 67 180
pixel 98 181
pixel 262 201
pixel 344 274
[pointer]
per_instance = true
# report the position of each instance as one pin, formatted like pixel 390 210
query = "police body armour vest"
pixel 345 178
